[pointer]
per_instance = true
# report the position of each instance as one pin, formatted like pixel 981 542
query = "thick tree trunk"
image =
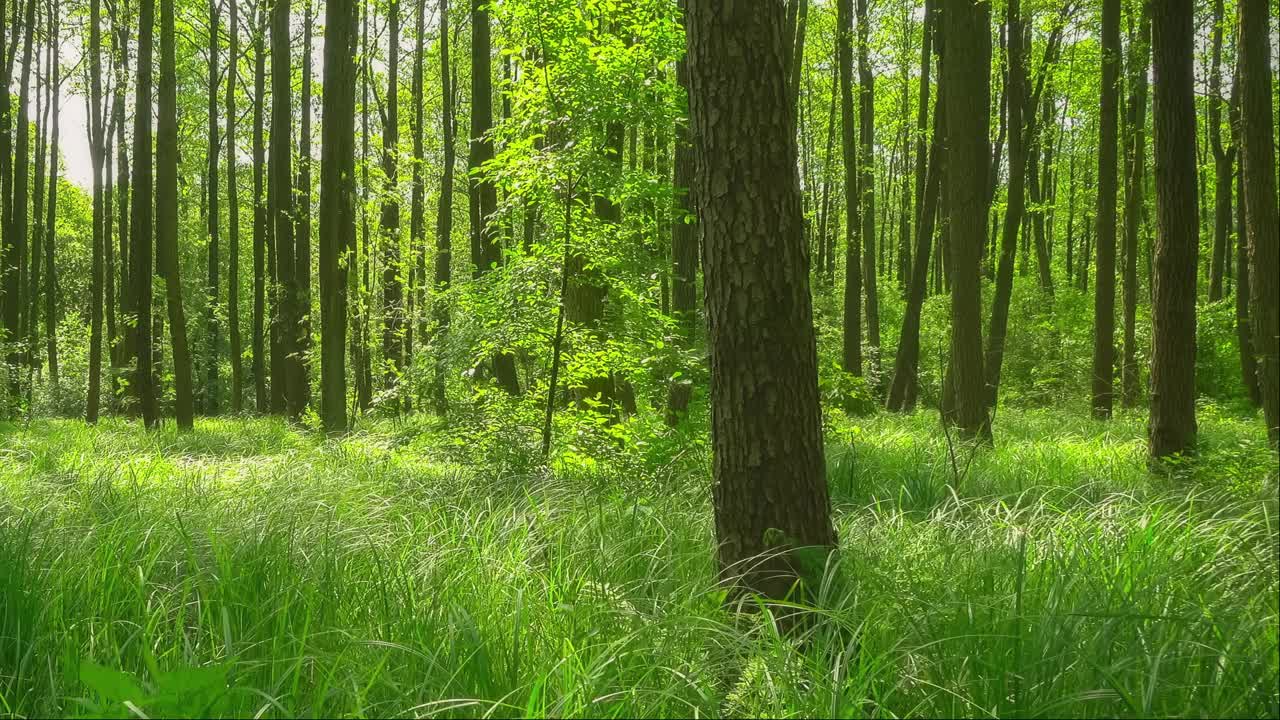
pixel 167 216
pixel 1173 311
pixel 766 419
pixel 288 370
pixel 1259 163
pixel 967 78
pixel 337 207
pixel 143 240
pixel 1104 287
pixel 1244 327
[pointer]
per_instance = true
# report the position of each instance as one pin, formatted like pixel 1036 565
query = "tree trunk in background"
pixel 94 393
pixel 966 75
pixel 1136 140
pixel 211 187
pixel 1259 163
pixel 51 228
pixel 851 358
pixel 766 418
pixel 1173 308
pixel 1223 159
pixel 337 207
pixel 233 214
pixel 142 237
pixel 292 373
pixel 1015 93
pixel 302 229
pixel 684 234
pixel 444 214
pixel 14 257
pixel 416 325
pixel 1244 328
pixel 362 260
pixel 8 251
pixel 259 211
pixel 125 350
pixel 866 136
pixel 485 251
pixel 392 271
pixel 167 216
pixel 1104 287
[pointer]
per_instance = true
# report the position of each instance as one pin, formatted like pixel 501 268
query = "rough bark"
pixel 1259 163
pixel 1136 139
pixel 292 374
pixel 141 228
pixel 233 213
pixel 851 357
pixel 1104 286
pixel 337 207
pixel 1223 160
pixel 1173 311
pixel 259 211
pixel 766 419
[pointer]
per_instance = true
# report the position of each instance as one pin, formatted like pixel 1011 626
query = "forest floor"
pixel 252 569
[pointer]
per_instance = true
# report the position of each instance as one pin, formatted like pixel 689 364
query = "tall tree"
pixel 766 420
pixel 142 237
pixel 166 160
pixel 852 353
pixel 292 374
pixel 1223 160
pixel 392 270
pixel 1104 286
pixel 124 350
pixel 15 250
pixel 1244 327
pixel 1015 204
pixel 259 209
pixel 51 237
pixel 233 211
pixel 967 78
pixel 485 252
pixel 416 324
pixel 867 180
pixel 444 209
pixel 1135 182
pixel 1257 134
pixel 684 237
pixel 302 230
pixel 1173 296
pixel 96 153
pixel 337 206
pixel 210 395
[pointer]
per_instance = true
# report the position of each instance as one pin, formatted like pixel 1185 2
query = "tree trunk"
pixel 302 230
pixel 1223 159
pixel 259 211
pixel 51 236
pixel 1104 286
pixel 444 212
pixel 142 231
pixel 1258 156
pixel 416 326
pixel 337 207
pixel 292 373
pixel 485 251
pixel 125 350
pixel 1173 310
pixel 167 216
pixel 1136 132
pixel 766 419
pixel 1244 328
pixel 684 237
pixel 866 136
pixel 967 78
pixel 392 287
pixel 1015 93
pixel 210 404
pixel 233 213
pixel 852 352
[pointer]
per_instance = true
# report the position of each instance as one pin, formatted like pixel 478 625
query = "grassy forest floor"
pixel 249 568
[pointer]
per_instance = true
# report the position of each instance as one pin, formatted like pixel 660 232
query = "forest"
pixel 639 358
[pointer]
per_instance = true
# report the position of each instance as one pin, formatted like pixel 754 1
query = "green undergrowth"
pixel 252 569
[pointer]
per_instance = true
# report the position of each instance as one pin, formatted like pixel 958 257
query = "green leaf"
pixel 112 685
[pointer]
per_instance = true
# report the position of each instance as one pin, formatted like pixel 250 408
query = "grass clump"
pixel 250 569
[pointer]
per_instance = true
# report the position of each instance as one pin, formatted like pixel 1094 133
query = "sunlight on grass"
pixel 250 569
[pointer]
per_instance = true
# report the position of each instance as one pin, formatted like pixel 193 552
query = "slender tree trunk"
pixel 392 287
pixel 259 211
pixel 684 237
pixel 1015 93
pixel 127 343
pixel 233 213
pixel 362 260
pixel 337 206
pixel 15 251
pixel 291 374
pixel 416 325
pixel 1104 286
pixel 770 486
pixel 96 158
pixel 1173 311
pixel 142 231
pixel 1223 159
pixel 866 136
pixel 852 352
pixel 1258 160
pixel 51 231
pixel 211 182
pixel 444 213
pixel 167 216
pixel 302 229
pixel 1139 51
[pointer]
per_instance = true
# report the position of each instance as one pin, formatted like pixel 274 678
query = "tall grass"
pixel 248 569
